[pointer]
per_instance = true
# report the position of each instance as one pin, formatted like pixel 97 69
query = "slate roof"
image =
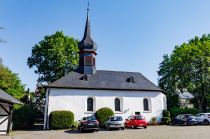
pixel 186 95
pixel 106 80
pixel 7 98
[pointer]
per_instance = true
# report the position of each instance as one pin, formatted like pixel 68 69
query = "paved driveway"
pixel 152 132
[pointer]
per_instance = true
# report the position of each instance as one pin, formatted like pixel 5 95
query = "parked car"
pixel 115 122
pixel 185 119
pixel 88 123
pixel 135 121
pixel 203 118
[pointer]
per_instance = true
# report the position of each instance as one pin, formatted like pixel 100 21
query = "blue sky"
pixel 132 35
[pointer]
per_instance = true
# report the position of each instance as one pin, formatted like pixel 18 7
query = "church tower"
pixel 87 51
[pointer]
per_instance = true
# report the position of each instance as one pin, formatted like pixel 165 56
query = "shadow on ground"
pixel 101 129
pixel 77 132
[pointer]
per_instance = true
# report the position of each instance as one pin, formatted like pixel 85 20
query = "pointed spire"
pixel 87 42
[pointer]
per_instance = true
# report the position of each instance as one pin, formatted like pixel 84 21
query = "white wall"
pixel 2 112
pixel 75 100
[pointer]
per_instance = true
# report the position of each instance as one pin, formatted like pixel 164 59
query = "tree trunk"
pixel 204 105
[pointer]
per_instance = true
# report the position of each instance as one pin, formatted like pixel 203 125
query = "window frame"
pixel 149 105
pixel 117 108
pixel 92 107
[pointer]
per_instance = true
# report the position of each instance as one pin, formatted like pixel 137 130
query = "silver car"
pixel 115 122
pixel 203 118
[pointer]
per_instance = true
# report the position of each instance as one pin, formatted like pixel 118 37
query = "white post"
pixel 46 123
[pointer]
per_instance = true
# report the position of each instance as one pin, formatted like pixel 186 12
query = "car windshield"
pixel 116 118
pixel 89 118
pixel 138 117
pixel 190 116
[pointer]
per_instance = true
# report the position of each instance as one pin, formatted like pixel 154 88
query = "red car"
pixel 135 121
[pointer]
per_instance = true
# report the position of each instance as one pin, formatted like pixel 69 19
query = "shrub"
pixel 75 125
pixel 166 113
pixel 23 117
pixel 153 121
pixel 103 114
pixel 166 120
pixel 176 111
pixel 61 119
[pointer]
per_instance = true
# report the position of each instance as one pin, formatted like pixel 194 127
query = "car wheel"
pixel 97 130
pixel 173 123
pixel 123 128
pixel 206 122
pixel 80 130
pixel 133 126
pixel 108 128
pixel 145 127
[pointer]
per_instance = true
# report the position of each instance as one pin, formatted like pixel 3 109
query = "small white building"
pixel 86 90
pixel 6 108
pixel 185 99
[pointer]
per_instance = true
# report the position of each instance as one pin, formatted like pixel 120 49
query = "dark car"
pixel 88 123
pixel 185 119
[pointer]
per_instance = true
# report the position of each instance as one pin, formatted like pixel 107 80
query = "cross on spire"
pixel 88 5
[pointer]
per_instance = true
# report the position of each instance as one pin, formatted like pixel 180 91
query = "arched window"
pixel 90 104
pixel 146 104
pixel 117 104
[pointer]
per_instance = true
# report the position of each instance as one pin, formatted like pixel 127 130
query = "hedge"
pixel 103 114
pixel 23 117
pixel 61 119
pixel 176 111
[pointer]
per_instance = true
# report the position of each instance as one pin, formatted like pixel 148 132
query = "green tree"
pixel 10 83
pixel 187 69
pixel 54 57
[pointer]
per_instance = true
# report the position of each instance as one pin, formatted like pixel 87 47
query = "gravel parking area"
pixel 152 132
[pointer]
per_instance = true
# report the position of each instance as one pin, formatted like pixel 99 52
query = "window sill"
pixel 147 111
pixel 89 112
pixel 118 112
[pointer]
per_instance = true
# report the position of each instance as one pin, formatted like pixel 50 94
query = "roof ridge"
pixel 119 71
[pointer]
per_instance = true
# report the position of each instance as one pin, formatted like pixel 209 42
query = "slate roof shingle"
pixel 108 80
pixel 7 98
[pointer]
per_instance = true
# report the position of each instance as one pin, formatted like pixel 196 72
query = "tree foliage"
pixel 54 57
pixel 10 83
pixel 23 117
pixel 188 69
pixel 38 99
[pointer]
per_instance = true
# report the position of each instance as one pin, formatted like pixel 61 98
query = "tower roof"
pixel 87 42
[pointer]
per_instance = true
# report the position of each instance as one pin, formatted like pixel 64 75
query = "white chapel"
pixel 87 89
